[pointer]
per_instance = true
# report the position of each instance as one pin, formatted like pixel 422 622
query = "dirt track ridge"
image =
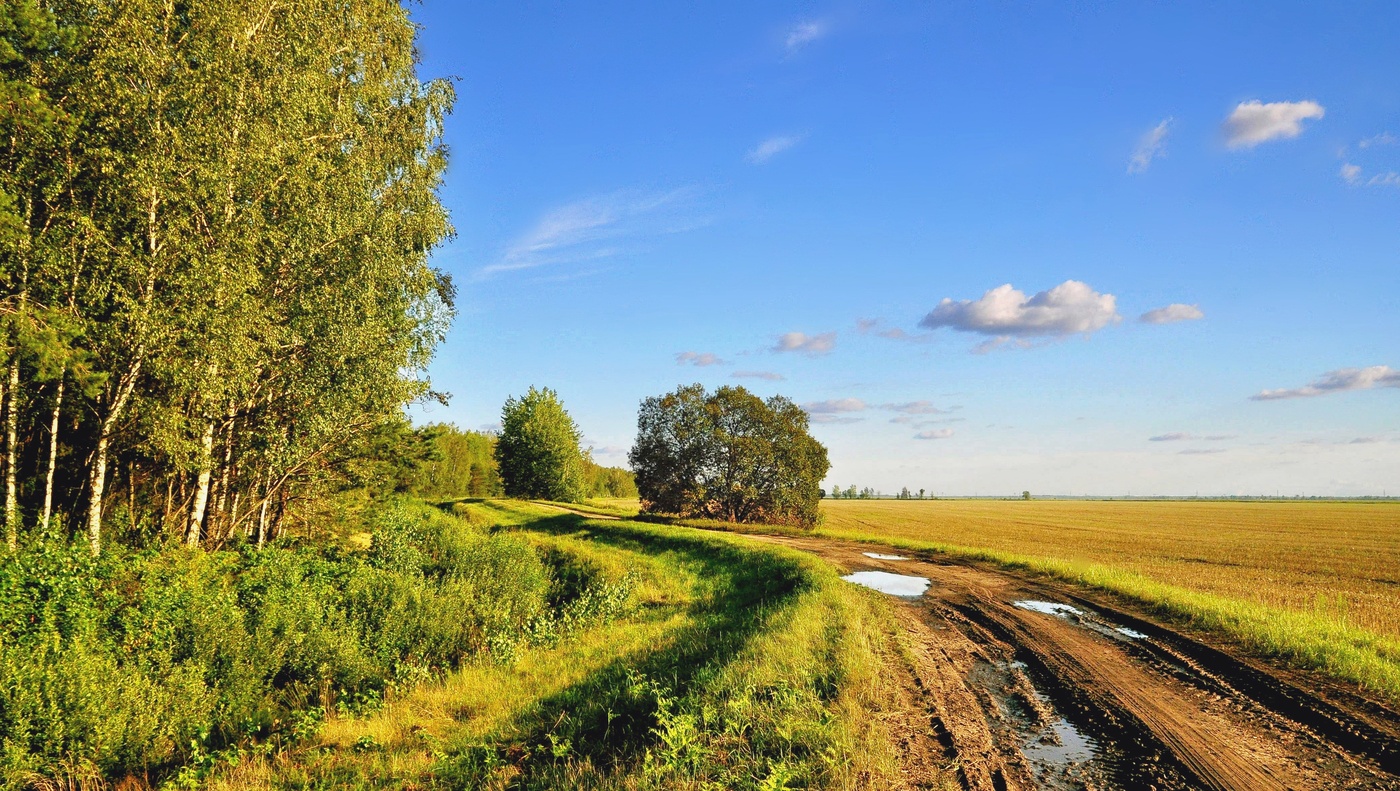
pixel 1085 693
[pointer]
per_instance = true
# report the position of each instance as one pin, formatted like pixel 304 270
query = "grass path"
pixel 738 666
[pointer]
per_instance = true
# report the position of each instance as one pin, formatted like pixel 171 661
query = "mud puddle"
pixel 1085 618
pixel 903 585
pixel 1059 752
pixel 878 556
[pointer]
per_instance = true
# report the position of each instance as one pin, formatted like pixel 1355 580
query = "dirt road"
pixel 1027 684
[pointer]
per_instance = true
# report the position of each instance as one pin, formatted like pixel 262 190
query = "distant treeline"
pixel 867 493
pixel 461 463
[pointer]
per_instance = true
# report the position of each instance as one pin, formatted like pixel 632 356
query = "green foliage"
pixel 461 464
pixel 602 481
pixel 728 455
pixel 538 451
pixel 215 228
pixel 146 661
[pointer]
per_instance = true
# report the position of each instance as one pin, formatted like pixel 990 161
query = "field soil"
pixel 1025 683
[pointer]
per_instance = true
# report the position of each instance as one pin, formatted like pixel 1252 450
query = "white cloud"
pixel 1004 312
pixel 915 408
pixel 1175 436
pixel 598 449
pixel 822 417
pixel 867 326
pixel 1171 314
pixel 1255 122
pixel 805 33
pixel 813 345
pixel 938 433
pixel 770 148
pixel 1150 146
pixel 1201 451
pixel 1382 139
pixel 767 376
pixel 700 359
pixel 1352 174
pixel 589 229
pixel 834 406
pixel 1338 381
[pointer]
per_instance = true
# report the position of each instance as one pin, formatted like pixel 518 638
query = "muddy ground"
pixel 1024 684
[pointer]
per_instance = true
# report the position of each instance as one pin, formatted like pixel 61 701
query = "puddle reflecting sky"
pixel 1073 747
pixel 878 556
pixel 1047 607
pixel 893 584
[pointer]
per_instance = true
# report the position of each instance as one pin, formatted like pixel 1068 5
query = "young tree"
pixel 728 455
pixel 538 451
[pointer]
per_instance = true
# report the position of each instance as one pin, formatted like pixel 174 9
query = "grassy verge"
pixel 735 667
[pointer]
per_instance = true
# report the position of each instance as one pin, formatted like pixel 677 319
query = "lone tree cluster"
pixel 728 455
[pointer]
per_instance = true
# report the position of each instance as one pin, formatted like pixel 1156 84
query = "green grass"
pixel 737 666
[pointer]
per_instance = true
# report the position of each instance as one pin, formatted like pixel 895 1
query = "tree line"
pixel 215 221
pixel 867 493
pixel 459 464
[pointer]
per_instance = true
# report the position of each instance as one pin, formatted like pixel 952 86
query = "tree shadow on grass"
pixel 607 720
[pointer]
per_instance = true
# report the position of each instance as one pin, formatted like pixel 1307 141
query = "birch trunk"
pixel 225 475
pixel 53 456
pixel 12 456
pixel 201 495
pixel 12 542
pixel 262 520
pixel 97 480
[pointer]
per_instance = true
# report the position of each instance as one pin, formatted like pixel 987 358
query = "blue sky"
pixel 942 226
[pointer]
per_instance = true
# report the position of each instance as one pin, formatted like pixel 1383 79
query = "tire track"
pixel 1163 709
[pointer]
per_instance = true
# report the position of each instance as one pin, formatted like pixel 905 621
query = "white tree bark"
pixel 201 496
pixel 97 478
pixel 53 457
pixel 12 456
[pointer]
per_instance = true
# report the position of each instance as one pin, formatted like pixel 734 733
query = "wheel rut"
pixel 1033 685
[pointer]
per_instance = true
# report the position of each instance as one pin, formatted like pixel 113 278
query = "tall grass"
pixel 153 662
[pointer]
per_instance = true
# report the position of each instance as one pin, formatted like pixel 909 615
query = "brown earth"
pixel 1103 697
